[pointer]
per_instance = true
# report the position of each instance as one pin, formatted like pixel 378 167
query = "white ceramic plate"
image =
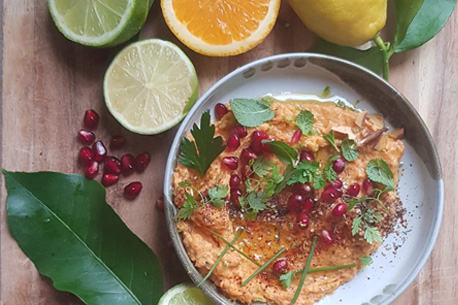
pixel 401 257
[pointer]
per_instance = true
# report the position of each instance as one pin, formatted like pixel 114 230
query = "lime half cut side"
pixel 185 294
pixel 99 23
pixel 150 86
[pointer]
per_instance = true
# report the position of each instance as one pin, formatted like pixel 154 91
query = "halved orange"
pixel 220 27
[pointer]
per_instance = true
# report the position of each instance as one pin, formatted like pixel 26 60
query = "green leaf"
pixel 417 21
pixel 353 201
pixel 328 171
pixel 371 59
pixel 372 216
pixel 326 92
pixel 357 223
pixel 372 234
pixel 287 278
pixel 63 224
pixel 319 181
pixel 366 261
pixel 283 151
pixel 304 121
pixel 200 154
pixel 257 201
pixel 274 180
pixel 349 151
pixel 188 207
pixel 262 167
pixel 379 171
pixel 218 195
pixel 251 113
pixel 330 138
pixel 304 172
pixel 286 176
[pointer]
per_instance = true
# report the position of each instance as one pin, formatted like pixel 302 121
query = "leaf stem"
pixel 386 55
pixel 263 267
pixel 306 270
pixel 220 257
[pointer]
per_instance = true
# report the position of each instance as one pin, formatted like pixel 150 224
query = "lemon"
pixel 101 23
pixel 185 294
pixel 150 86
pixel 343 22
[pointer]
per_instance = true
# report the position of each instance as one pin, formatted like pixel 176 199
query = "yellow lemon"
pixel 343 22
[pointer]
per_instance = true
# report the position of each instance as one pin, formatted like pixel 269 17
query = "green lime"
pixel 185 294
pixel 150 86
pixel 101 23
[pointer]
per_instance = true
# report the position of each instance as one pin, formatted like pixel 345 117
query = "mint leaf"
pixel 218 195
pixel 365 261
pixel 304 172
pixel 304 121
pixel 283 151
pixel 372 234
pixel 379 171
pixel 287 278
pixel 200 153
pixel 188 208
pixel 357 223
pixel 328 171
pixel 330 138
pixel 349 151
pixel 251 113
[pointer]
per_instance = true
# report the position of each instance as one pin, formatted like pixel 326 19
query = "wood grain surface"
pixel 48 83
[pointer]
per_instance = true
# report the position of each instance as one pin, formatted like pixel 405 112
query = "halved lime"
pixel 185 294
pixel 150 86
pixel 101 23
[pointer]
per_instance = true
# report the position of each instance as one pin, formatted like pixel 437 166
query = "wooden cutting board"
pixel 48 83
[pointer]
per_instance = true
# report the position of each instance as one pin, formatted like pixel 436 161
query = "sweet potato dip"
pixel 315 170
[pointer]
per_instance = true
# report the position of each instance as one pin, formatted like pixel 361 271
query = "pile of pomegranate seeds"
pixel 94 156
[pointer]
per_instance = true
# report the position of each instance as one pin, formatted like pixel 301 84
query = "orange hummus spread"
pixel 339 203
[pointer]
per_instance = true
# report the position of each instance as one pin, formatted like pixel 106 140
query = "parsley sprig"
pixel 200 153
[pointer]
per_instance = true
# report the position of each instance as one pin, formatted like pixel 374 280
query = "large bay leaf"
pixel 63 224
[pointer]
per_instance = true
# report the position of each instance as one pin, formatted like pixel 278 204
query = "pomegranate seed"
pixel 337 183
pixel 133 189
pixel 100 152
pixel 109 179
pixel 307 206
pixel 266 148
pixel 117 142
pixel 248 155
pixel 233 142
pixel 353 190
pixel 231 162
pixel 302 221
pixel 338 165
pixel 327 238
pixel 91 119
pixel 246 172
pixel 127 164
pixel 142 161
pixel 91 170
pixel 306 155
pixel 112 165
pixel 86 155
pixel 295 202
pixel 339 210
pixel 330 194
pixel 280 266
pixel 240 131
pixel 234 182
pixel 235 195
pixel 256 141
pixel 86 137
pixel 220 111
pixel 160 204
pixel 296 136
pixel 305 189
pixel 368 187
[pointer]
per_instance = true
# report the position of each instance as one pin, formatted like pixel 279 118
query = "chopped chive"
pixel 263 267
pixel 220 257
pixel 306 270
pixel 329 268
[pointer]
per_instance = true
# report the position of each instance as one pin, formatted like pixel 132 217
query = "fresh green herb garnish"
pixel 220 257
pixel 367 222
pixel 326 92
pixel 273 181
pixel 349 151
pixel 366 261
pixel 319 181
pixel 287 278
pixel 283 151
pixel 263 267
pixel 200 153
pixel 304 121
pixel 253 203
pixel 251 113
pixel 304 172
pixel 330 138
pixel 188 207
pixel 306 270
pixel 379 171
pixel 286 176
pixel 217 195
pixel 328 171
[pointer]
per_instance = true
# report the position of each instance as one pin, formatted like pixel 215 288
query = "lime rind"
pixel 185 294
pixel 128 23
pixel 158 103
